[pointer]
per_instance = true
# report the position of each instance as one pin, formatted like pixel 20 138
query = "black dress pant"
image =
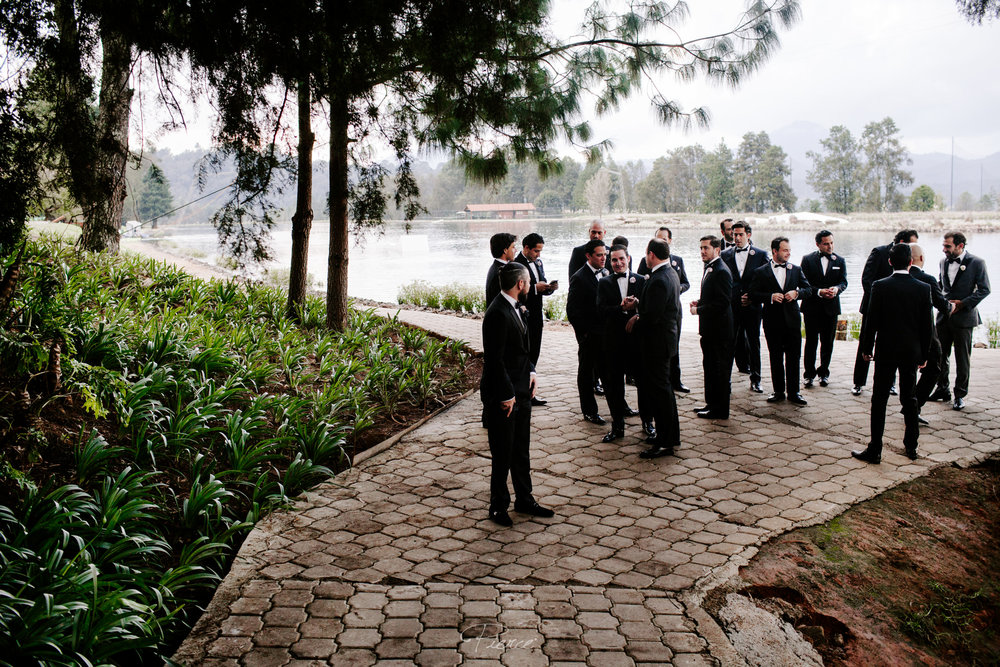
pixel 747 345
pixel 675 363
pixel 717 363
pixel 784 347
pixel 654 387
pixel 860 364
pixel 961 339
pixel 535 325
pixel 929 373
pixel 885 375
pixel 821 328
pixel 589 348
pixel 509 438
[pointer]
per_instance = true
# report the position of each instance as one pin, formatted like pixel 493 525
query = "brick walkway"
pixel 394 562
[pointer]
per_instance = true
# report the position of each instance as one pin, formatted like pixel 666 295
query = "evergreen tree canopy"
pixel 761 172
pixel 921 199
pixel 836 171
pixel 885 158
pixel 155 200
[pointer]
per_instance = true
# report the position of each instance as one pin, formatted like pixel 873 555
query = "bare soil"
pixel 909 578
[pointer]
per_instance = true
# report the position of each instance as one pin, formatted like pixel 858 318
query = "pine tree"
pixel 155 200
pixel 836 172
pixel 885 158
pixel 716 172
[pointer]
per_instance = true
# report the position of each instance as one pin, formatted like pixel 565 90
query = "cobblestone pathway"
pixel 394 562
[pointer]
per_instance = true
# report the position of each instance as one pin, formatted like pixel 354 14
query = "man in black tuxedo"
pixel 503 247
pixel 932 369
pixel 965 283
pixel 579 255
pixel 506 387
pixel 581 310
pixel 827 274
pixel 617 297
pixel 677 263
pixel 898 326
pixel 743 259
pixel 658 321
pixel 530 257
pixel 876 268
pixel 779 285
pixel 715 324
pixel 726 229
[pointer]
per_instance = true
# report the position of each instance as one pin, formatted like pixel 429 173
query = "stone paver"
pixel 394 562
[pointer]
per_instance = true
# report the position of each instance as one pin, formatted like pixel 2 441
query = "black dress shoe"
pixel 892 391
pixel 615 434
pixel 599 389
pixel 629 412
pixel 866 456
pixel 755 388
pixel 824 381
pixel 501 517
pixel 808 383
pixel 775 398
pixel 713 414
pixel 538 401
pixel 745 371
pixel 534 509
pixel 656 451
pixel 681 387
pixel 857 390
pixel 796 399
pixel 912 454
pixel 595 419
pixel 959 404
pixel 649 429
pixel 940 394
pixel 701 409
pixel 922 421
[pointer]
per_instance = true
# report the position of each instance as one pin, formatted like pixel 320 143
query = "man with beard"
pixel 530 257
pixel 715 325
pixel 743 259
pixel 827 273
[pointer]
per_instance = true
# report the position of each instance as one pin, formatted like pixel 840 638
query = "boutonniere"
pixel 708 270
pixel 673 263
pixel 752 252
pixel 523 310
pixel 632 279
pixel 833 257
pixel 961 267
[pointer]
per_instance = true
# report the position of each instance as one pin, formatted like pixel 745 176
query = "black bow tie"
pixel 953 260
pixel 738 249
pixel 621 275
pixel 826 255
pixel 781 266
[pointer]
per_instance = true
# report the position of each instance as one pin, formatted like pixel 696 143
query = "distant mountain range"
pixel 933 169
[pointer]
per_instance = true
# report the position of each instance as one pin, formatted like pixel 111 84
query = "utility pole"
pixel 951 188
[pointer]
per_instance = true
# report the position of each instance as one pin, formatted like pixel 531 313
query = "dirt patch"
pixel 909 578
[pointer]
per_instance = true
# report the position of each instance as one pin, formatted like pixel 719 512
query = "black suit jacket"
pixel 506 365
pixel 764 285
pixel 534 299
pixel 835 276
pixel 937 296
pixel 581 302
pixel 579 257
pixel 715 311
pixel 677 262
pixel 660 316
pixel 609 302
pixel 971 286
pixel 493 281
pixel 876 267
pixel 756 258
pixel 898 321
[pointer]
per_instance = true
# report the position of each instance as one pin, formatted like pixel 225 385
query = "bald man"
pixel 596 231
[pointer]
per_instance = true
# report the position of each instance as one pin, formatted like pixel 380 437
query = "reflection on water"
pixel 450 251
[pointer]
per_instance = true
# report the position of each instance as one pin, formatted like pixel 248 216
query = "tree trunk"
pixel 336 276
pixel 302 220
pixel 103 207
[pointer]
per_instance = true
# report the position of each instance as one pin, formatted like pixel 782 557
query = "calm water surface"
pixel 457 251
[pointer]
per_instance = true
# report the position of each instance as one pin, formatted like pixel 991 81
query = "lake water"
pixel 457 251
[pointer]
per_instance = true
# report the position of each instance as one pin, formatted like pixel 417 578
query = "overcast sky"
pixel 845 62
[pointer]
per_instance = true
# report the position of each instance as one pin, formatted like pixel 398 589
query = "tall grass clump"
pixel 454 296
pixel 150 419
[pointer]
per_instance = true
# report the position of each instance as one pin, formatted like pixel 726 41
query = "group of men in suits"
pixel 627 325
